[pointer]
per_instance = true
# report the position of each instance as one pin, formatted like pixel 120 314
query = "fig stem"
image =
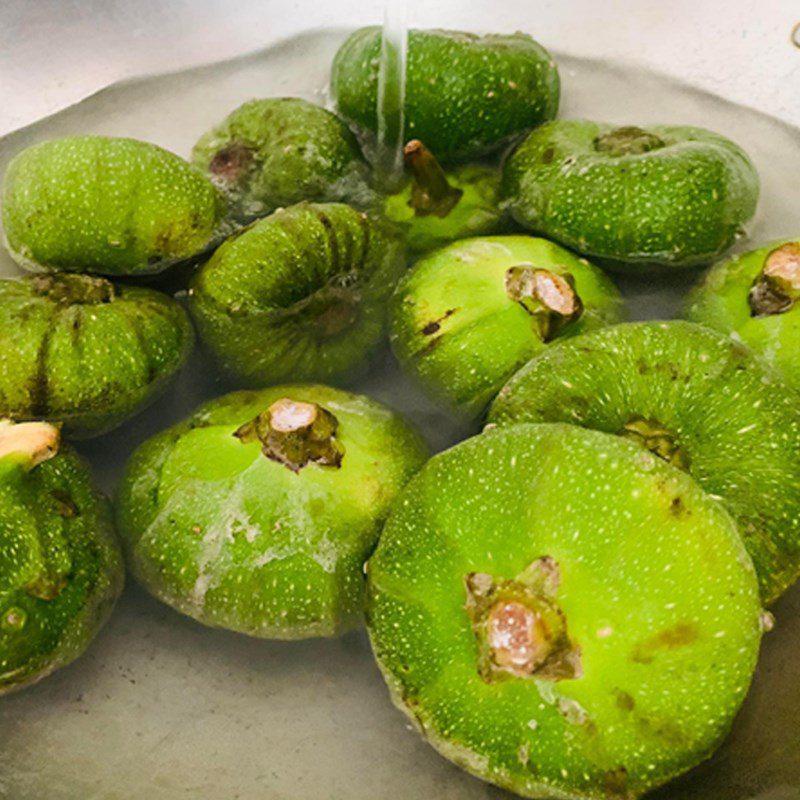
pixel 431 192
pixel 653 436
pixel 628 140
pixel 777 287
pixel 28 443
pixel 295 434
pixel 548 297
pixel 519 629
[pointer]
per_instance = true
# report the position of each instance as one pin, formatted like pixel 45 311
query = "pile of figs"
pixel 568 604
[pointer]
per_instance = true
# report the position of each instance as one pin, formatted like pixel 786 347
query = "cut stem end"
pixel 777 287
pixel 295 434
pixel 548 297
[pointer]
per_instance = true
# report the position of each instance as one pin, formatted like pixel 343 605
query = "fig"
pixel 752 298
pixel 106 205
pixel 85 352
pixel 563 614
pixel 465 95
pixel 435 207
pixel 663 197
pixel 299 295
pixel 60 566
pixel 467 316
pixel 694 398
pixel 280 151
pixel 257 513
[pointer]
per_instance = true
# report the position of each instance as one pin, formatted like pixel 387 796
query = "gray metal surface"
pixel 162 708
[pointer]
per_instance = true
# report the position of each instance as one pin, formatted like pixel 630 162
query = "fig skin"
pixel 106 205
pixel 455 329
pixel 84 352
pixel 60 566
pixel 721 300
pixel 656 592
pixel 694 190
pixel 236 539
pixel 476 213
pixel 280 151
pixel 503 85
pixel 732 421
pixel 299 295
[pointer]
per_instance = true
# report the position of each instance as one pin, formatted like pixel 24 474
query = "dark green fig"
pixel 278 152
pixel 84 352
pixel 694 398
pixel 563 614
pixel 466 317
pixel 106 205
pixel 60 567
pixel 668 196
pixel 257 513
pixel 299 295
pixel 753 298
pixel 465 95
pixel 436 207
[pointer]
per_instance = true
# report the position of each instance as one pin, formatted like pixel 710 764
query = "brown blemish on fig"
pixel 72 289
pixel 431 192
pixel 46 587
pixel 777 287
pixel 656 438
pixel 231 162
pixel 294 434
pixel 625 701
pixel 629 140
pixel 616 782
pixel 65 505
pixel 548 155
pixel 678 508
pixel 548 297
pixel 434 325
pixel 682 634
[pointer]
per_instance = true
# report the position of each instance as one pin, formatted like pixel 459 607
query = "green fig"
pixel 299 295
pixel 257 513
pixel 563 614
pixel 106 205
pixel 752 297
pixel 694 398
pixel 467 316
pixel 84 352
pixel 435 207
pixel 666 196
pixel 60 567
pixel 465 95
pixel 278 152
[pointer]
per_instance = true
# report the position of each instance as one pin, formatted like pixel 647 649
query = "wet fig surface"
pixel 468 315
pixel 436 206
pixel 257 513
pixel 299 295
pixel 60 566
pixel 573 181
pixel 85 352
pixel 694 398
pixel 465 95
pixel 280 151
pixel 753 298
pixel 563 614
pixel 106 205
